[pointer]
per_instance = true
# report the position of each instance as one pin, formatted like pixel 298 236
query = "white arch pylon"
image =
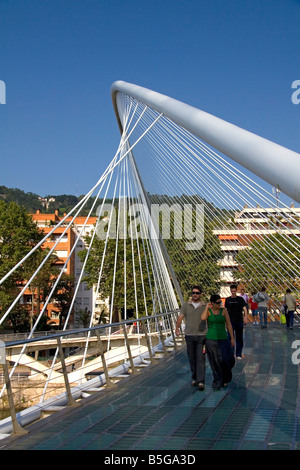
pixel 273 163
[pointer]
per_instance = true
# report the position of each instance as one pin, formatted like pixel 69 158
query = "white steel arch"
pixel 273 163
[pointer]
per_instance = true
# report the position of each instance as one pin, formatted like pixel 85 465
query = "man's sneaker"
pixel 194 383
pixel 201 386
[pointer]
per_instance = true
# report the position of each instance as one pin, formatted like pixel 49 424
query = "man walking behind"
pixel 263 303
pixel 195 334
pixel 237 309
pixel 291 303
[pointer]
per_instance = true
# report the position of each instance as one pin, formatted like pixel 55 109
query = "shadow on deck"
pixel 158 409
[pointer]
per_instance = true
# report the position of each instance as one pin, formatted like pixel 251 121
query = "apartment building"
pixel 248 225
pixel 66 241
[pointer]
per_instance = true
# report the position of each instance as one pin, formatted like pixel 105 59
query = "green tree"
pixel 63 296
pixel 197 266
pixel 18 235
pixel 41 284
pixel 84 317
pixel 191 267
pixel 200 266
pixel 114 268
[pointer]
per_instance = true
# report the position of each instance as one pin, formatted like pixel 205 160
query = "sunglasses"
pixel 219 302
pixel 195 292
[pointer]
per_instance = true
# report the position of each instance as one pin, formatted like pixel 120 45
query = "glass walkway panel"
pixel 158 409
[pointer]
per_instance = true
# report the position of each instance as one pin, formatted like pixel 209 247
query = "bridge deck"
pixel 159 410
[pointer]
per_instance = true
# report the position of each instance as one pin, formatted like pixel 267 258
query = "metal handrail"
pixel 168 318
pixel 86 330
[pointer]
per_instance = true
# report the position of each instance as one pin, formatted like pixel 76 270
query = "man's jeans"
pixel 194 346
pixel 238 331
pixel 289 318
pixel 263 316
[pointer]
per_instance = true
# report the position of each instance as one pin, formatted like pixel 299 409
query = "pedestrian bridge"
pixel 187 199
pixel 157 409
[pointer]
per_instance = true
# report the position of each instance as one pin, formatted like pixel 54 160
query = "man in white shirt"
pixel 290 302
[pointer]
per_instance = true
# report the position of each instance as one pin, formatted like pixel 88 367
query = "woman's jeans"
pixel 194 346
pixel 263 316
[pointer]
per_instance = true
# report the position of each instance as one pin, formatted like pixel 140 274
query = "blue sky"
pixel 235 59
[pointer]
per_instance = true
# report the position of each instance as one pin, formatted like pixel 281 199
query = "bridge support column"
pixel 71 401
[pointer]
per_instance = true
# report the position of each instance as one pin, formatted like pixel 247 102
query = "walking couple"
pixel 208 326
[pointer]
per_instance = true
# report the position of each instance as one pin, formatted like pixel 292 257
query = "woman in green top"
pixel 218 347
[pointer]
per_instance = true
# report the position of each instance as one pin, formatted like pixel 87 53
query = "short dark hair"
pixel 288 291
pixel 233 286
pixel 197 287
pixel 263 289
pixel 214 297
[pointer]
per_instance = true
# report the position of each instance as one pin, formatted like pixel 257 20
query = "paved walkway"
pixel 157 409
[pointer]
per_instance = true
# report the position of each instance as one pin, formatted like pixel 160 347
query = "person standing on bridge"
pixel 237 310
pixel 195 335
pixel 218 346
pixel 253 307
pixel 290 303
pixel 263 303
pixel 245 296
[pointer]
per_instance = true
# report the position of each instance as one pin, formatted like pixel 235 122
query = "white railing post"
pixel 71 401
pixel 17 428
pixel 145 328
pixel 109 383
pixel 128 349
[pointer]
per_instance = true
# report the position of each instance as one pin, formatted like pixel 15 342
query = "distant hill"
pixel 65 202
pixel 32 202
